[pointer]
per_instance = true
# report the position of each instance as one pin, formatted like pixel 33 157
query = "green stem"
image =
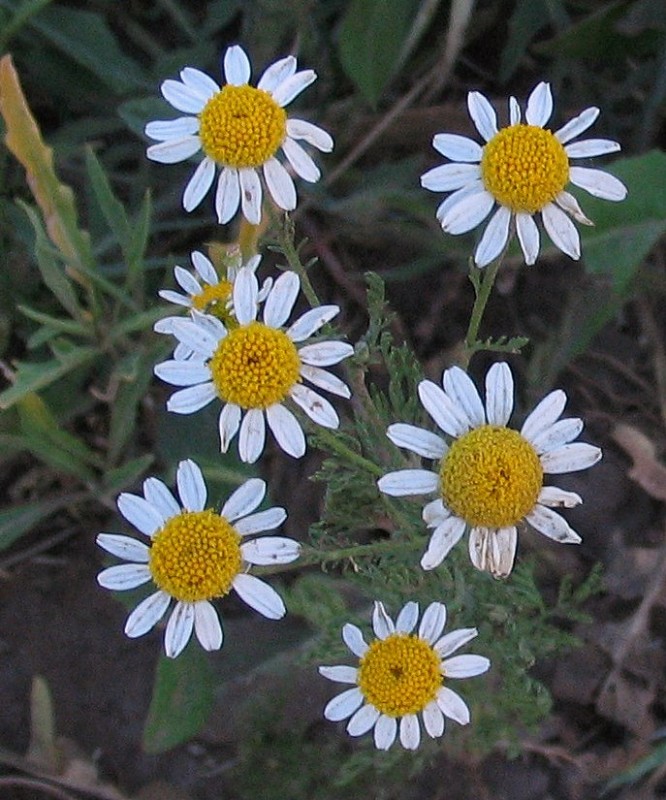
pixel 482 289
pixel 285 230
pixel 333 443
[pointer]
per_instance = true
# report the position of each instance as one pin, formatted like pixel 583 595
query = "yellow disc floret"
pixel 491 477
pixel 255 366
pixel 195 556
pixel 524 167
pixel 214 299
pixel 400 674
pixel 241 126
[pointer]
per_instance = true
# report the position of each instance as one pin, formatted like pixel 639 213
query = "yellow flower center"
pixel 491 477
pixel 241 126
pixel 400 674
pixel 254 366
pixel 214 299
pixel 195 556
pixel 524 167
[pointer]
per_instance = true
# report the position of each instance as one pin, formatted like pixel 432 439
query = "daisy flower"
pixel 522 169
pixel 403 674
pixel 239 129
pixel 195 554
pixel 490 478
pixel 256 365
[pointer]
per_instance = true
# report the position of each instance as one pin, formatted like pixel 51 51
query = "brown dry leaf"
pixel 648 472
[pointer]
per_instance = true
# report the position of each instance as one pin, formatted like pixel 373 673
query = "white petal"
pixel 419 441
pixel 558 498
pixel 189 400
pixel 561 230
pixel 494 237
pixel 341 674
pixel 179 629
pixel 382 624
pixel 228 425
pixel 483 115
pixel 386 730
pixel 570 458
pixel 567 202
pixel 252 436
pixel 589 148
pixel 343 705
pixel 245 292
pixel 280 185
pixel 325 380
pixel 408 481
pixel 434 513
pixel 199 82
pixel 445 536
pixel 195 335
pixel 187 281
pixel 191 486
pixel 452 705
pixel 448 177
pixel 204 268
pixel 171 297
pixel 140 513
pixel 433 622
pixel 325 354
pixel 303 165
pixel 467 213
pixel 182 97
pixel 315 406
pixel 268 550
pixel 466 666
pixel 407 618
pixel 528 236
pixel 280 301
pixel 207 626
pixel 147 614
pixel 539 105
pixel 545 413
pixel 363 720
pixel 237 69
pixel 311 322
pixel 276 73
pixel 461 389
pixel 250 188
pixel 452 641
pixel 244 500
pixel 473 188
pixel 442 409
pixel 293 86
pixel 260 596
pixel 410 732
pixel 286 429
pixel 227 195
pixel 199 184
pixel 577 125
pixel 493 550
pixel 457 148
pixel 514 111
pixel 552 525
pixel 162 130
pixel 122 577
pixel 173 151
pixel 499 394
pixel 124 547
pixel 433 720
pixel 182 373
pixel 557 434
pixel 311 134
pixel 354 640
pixel 598 183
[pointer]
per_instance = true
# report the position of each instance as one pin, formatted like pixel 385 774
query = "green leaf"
pixel 182 700
pixel 115 480
pixel 31 377
pixel 84 37
pixel 528 18
pixel 14 522
pixel 112 209
pixel 371 41
pixel 137 244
